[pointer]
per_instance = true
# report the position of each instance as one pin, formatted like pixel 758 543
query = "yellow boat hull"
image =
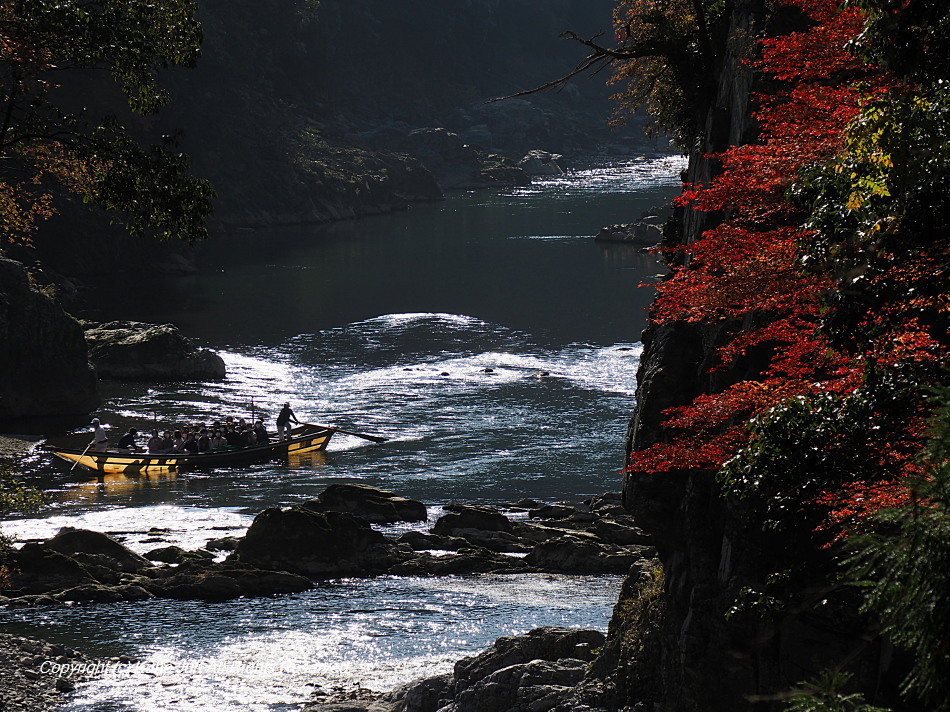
pixel 304 440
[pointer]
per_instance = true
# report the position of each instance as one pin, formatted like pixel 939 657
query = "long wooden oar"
pixel 80 457
pixel 374 438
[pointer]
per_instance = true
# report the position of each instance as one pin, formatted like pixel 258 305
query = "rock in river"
pixel 86 546
pixel 317 544
pixel 463 517
pixel 642 234
pixel 542 163
pixel 570 555
pixel 374 505
pixel 135 351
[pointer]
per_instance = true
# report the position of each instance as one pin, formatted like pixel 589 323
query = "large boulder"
pixel 471 560
pixel 135 351
pixel 545 643
pixel 569 554
pixel 427 695
pixel 532 672
pixel 537 685
pixel 542 163
pixel 44 366
pixel 99 593
pixel 465 517
pixel 97 548
pixel 641 234
pixel 34 569
pixel 373 504
pixel 202 581
pixel 423 541
pixel 319 544
pixel 554 511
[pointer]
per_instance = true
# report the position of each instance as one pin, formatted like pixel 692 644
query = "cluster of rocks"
pixel 535 672
pixel 32 673
pixel 85 566
pixel 50 363
pixel 286 549
pixel 454 163
pixel 645 232
pixel 136 351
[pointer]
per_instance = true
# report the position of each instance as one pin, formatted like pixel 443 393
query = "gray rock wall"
pixel 44 368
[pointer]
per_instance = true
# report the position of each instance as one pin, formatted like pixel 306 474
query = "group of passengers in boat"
pixel 200 438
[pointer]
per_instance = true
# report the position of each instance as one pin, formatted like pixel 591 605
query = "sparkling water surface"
pixel 487 336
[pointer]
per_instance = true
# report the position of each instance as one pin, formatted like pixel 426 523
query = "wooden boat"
pixel 304 439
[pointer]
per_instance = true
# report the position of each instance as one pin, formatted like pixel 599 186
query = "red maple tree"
pixel 747 272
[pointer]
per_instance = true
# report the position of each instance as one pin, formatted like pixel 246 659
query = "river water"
pixel 487 336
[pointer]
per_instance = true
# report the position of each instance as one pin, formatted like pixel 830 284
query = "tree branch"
pixel 602 56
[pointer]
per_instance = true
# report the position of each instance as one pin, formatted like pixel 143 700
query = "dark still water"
pixel 522 259
pixel 488 336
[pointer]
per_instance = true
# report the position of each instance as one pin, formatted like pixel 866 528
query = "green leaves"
pixel 15 496
pixel 825 694
pixel 130 40
pixel 151 186
pixel 904 567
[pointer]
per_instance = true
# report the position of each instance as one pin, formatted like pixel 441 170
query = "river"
pixel 487 336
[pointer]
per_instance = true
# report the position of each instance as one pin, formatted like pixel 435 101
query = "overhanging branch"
pixel 598 59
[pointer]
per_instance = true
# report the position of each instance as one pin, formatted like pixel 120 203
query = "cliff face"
pixel 44 370
pixel 682 643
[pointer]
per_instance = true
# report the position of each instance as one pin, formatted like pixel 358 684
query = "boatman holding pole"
pixel 99 440
pixel 283 422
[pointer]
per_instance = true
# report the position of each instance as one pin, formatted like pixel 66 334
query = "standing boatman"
pixel 99 440
pixel 283 421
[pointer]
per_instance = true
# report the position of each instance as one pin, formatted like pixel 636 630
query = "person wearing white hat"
pixel 99 440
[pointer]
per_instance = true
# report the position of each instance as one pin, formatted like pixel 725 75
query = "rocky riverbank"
pixel 15 447
pixel 287 550
pixel 291 549
pixel 538 671
pixel 534 672
pixel 37 675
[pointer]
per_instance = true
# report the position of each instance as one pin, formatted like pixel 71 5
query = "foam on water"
pixel 140 528
pixel 618 176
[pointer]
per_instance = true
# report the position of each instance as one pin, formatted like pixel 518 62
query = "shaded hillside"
pixel 278 91
pixel 299 112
